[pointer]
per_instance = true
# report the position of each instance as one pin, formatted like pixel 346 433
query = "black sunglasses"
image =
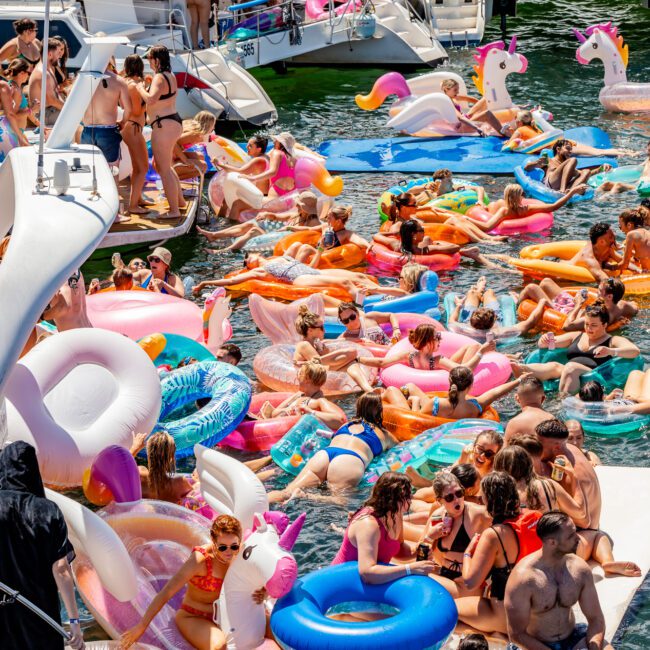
pixel 224 547
pixel 154 259
pixel 349 319
pixel 458 494
pixel 488 453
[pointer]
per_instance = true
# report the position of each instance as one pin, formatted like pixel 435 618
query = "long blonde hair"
pixel 411 275
pixel 202 123
pixel 513 196
pixel 161 460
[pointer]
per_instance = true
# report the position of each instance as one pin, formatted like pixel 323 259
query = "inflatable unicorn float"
pixel 422 109
pixel 128 550
pixel 618 94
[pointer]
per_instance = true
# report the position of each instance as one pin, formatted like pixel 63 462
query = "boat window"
pixel 57 28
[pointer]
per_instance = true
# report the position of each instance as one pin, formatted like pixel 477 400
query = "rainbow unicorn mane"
pixel 617 39
pixel 480 57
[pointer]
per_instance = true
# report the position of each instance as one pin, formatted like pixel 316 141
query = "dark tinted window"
pixel 57 28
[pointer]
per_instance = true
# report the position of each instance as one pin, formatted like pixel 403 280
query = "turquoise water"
pixel 317 104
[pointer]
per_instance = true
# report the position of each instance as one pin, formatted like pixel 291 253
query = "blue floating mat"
pixel 461 155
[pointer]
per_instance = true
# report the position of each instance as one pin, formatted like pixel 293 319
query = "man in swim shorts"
pixel 543 588
pixel 530 396
pixel 53 99
pixel 100 119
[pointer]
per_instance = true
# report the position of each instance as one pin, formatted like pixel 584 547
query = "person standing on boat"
pixel 199 11
pixel 53 99
pixel 11 135
pixel 166 125
pixel 544 587
pixel 17 75
pixel 25 45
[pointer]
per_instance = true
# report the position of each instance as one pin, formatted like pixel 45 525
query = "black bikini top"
pixel 169 94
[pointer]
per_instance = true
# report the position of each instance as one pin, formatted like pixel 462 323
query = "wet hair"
pixel 225 525
pixel 161 54
pixel 388 494
pixel 598 310
pixel 466 474
pixel 133 66
pixel 550 523
pixel 411 275
pixel 441 174
pixel 597 231
pixel 397 202
pixel 592 391
pixel 161 461
pixel 518 463
pixel 233 350
pixel 460 378
pixel 530 384
pixel 553 428
pixel 500 496
pixel 483 319
pixel 525 117
pixel 370 409
pixel 615 288
pixel 306 319
pixel 442 480
pixel 559 144
pixel 345 306
pixel 493 436
pixel 448 84
pixel 260 142
pixel 24 25
pixel 474 641
pixel 342 212
pixel 423 335
pixel 632 217
pixel 513 196
pixel 16 67
pixel 528 442
pixel 122 277
pixel 313 371
pixel 407 232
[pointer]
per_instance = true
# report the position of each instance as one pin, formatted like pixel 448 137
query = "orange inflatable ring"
pixel 405 424
pixel 346 256
pixel 437 232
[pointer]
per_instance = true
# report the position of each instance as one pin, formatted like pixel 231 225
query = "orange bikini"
pixel 205 583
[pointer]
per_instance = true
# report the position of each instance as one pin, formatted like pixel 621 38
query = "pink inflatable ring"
pixel 492 371
pixel 520 225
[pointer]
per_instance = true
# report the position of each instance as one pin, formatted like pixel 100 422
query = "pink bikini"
pixel 285 170
pixel 387 548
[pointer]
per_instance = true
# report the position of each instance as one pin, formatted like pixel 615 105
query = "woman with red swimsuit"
pixel 203 573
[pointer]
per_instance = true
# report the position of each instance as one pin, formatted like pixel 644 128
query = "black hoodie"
pixel 33 536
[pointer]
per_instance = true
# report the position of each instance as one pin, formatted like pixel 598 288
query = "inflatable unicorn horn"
pixel 618 94
pixel 265 560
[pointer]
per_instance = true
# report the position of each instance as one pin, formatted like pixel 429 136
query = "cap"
pixel 162 253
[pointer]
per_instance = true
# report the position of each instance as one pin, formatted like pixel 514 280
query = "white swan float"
pixel 618 94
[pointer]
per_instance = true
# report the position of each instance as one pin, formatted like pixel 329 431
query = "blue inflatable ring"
pixel 298 620
pixel 230 392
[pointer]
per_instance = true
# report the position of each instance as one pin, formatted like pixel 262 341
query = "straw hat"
pixel 162 253
pixel 286 140
pixel 308 201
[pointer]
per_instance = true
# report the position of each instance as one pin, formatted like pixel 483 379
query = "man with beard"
pixel 543 588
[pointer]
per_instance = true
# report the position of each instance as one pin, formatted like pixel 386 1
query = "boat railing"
pixel 427 20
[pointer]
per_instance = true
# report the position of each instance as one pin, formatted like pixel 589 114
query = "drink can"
pixel 584 293
pixel 422 552
pixel 558 474
pixel 551 340
pixel 447 522
pixel 489 336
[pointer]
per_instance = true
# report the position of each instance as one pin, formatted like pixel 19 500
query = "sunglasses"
pixel 142 264
pixel 154 259
pixel 349 319
pixel 488 453
pixel 458 494
pixel 224 547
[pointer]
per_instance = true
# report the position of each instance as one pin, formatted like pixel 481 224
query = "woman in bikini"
pixel 282 162
pixel 11 133
pixel 17 75
pixel 203 573
pixel 160 278
pixel 133 74
pixel 478 113
pixel 195 131
pixel 367 326
pixel 352 449
pixel 24 45
pixel 166 125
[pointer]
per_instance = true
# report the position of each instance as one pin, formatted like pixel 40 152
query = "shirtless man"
pixel 68 306
pixel 100 123
pixel 531 397
pixel 637 240
pixel 594 543
pixel 544 586
pixel 599 252
pixel 561 172
pixel 53 99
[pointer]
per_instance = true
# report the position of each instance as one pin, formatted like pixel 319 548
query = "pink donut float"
pixel 274 367
pixel 139 313
pixel 533 223
pixel 386 259
pixel 493 370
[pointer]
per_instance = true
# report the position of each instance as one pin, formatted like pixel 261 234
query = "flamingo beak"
pixel 579 35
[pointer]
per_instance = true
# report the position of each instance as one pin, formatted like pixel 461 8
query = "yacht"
pixel 207 80
pixel 457 23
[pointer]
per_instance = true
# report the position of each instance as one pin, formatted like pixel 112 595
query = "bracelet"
pixel 74 621
pixel 469 555
pixel 408 569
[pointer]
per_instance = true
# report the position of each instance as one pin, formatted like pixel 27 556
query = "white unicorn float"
pixel 422 108
pixel 129 550
pixel 618 94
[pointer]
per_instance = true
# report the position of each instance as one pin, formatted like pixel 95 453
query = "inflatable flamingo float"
pixel 423 109
pixel 618 94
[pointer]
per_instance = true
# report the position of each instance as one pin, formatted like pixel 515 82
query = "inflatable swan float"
pixel 618 94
